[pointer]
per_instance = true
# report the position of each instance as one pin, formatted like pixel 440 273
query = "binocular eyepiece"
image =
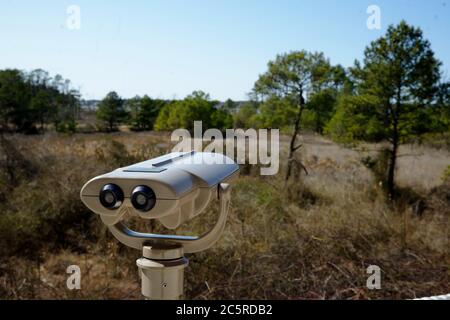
pixel 143 198
pixel 111 196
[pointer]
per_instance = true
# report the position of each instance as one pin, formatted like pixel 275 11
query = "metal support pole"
pixel 161 269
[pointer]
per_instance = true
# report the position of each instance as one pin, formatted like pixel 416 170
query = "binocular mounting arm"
pixel 189 244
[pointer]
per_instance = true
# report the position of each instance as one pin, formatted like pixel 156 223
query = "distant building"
pixel 89 105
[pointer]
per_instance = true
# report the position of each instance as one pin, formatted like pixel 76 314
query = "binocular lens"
pixel 143 198
pixel 111 196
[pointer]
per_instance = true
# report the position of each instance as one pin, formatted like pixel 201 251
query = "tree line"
pixel 145 113
pixel 397 92
pixel 30 102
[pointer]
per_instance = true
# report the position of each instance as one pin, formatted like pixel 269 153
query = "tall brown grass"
pixel 313 240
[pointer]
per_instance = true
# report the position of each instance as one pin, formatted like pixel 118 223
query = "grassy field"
pixel 312 240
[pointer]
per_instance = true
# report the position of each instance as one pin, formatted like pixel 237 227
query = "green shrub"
pixel 446 175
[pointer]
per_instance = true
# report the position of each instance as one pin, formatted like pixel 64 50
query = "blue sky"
pixel 169 48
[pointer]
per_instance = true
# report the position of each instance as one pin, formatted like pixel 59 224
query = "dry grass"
pixel 313 241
